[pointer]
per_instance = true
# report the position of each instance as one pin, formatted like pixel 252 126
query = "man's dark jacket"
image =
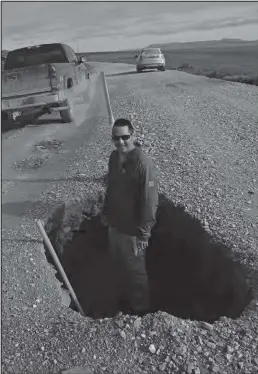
pixel 132 194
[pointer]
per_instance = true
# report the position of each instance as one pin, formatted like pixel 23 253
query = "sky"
pixel 111 26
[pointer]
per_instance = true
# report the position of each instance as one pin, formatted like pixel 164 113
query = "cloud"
pixel 112 24
pixel 165 28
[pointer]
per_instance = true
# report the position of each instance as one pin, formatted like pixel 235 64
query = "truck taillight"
pixel 53 77
pixel 52 70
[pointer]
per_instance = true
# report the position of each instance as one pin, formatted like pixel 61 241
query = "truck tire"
pixel 67 114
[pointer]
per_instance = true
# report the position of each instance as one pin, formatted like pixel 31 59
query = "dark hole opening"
pixel 190 276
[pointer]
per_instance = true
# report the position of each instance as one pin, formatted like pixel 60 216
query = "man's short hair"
pixel 120 122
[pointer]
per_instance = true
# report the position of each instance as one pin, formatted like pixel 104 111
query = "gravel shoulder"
pixel 202 134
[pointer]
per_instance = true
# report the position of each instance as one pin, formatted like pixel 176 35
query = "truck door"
pixel 74 62
pixel 81 70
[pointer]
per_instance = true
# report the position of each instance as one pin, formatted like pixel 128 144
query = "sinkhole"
pixel 190 275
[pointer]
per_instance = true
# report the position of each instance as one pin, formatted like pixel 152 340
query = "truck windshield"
pixel 37 55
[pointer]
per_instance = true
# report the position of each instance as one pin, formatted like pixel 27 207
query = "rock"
pixel 230 349
pixel 203 370
pixel 78 370
pixel 122 334
pixel 137 323
pixel 199 340
pixel 182 351
pixel 119 323
pixel 240 355
pixel 162 366
pixel 196 370
pixel 255 361
pixel 211 345
pixel 206 223
pixel 207 326
pixel 171 364
pixel 152 348
pixel 192 369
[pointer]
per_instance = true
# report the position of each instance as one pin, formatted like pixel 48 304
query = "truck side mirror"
pixel 135 56
pixel 82 59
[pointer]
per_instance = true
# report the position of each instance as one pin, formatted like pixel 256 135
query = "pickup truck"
pixel 41 79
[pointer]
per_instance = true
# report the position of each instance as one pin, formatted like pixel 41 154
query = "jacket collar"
pixel 132 155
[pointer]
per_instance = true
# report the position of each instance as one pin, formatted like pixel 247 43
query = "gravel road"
pixel 202 133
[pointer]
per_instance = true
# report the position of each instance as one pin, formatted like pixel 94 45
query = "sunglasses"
pixel 123 137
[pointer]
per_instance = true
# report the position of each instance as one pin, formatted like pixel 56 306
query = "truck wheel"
pixel 67 114
pixel 139 70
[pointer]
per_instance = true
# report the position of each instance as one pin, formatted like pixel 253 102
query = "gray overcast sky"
pixel 102 26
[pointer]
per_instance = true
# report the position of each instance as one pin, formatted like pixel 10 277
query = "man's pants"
pixel 130 271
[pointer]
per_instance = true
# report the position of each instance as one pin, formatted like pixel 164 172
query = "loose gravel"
pixel 48 145
pixel 31 163
pixel 203 139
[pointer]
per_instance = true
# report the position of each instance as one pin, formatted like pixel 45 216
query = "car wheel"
pixel 67 115
pixel 163 68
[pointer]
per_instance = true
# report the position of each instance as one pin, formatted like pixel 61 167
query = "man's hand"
pixel 141 245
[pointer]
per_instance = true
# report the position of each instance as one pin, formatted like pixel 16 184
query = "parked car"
pixel 150 58
pixel 41 78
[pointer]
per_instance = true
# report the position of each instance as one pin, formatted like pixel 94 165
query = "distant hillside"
pixel 206 44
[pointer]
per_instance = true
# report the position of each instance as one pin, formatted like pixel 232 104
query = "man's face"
pixel 123 139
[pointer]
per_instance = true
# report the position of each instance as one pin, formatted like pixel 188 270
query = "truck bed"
pixel 25 81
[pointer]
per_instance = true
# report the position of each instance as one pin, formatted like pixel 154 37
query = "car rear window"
pixel 37 55
pixel 151 51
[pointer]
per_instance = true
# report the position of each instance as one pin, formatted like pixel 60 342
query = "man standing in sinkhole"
pixel 129 210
